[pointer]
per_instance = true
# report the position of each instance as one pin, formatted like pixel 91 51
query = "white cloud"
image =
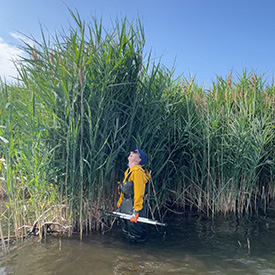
pixel 22 37
pixel 8 54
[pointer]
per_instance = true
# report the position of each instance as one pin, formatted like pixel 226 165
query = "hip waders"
pixel 134 231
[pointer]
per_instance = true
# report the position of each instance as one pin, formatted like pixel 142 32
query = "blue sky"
pixel 203 38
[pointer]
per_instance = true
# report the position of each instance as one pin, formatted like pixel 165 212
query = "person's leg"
pixel 127 208
pixel 138 231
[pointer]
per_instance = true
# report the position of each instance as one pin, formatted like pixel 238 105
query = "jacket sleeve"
pixel 139 189
pixel 121 194
pixel 120 199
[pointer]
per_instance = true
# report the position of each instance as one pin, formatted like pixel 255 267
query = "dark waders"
pixel 133 231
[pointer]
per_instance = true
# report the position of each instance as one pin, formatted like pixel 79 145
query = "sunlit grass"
pixel 87 96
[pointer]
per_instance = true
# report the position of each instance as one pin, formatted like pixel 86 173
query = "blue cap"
pixel 143 156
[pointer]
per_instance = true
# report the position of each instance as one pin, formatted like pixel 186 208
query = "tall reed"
pixel 86 96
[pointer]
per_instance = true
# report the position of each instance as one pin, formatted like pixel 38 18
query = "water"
pixel 190 245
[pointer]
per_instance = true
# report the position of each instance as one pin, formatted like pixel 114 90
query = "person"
pixel 133 191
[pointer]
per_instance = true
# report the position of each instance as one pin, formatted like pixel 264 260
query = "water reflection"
pixel 189 245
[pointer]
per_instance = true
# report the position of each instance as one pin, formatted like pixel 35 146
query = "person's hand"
pixel 118 209
pixel 134 216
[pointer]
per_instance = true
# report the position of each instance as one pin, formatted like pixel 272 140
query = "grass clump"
pixel 86 96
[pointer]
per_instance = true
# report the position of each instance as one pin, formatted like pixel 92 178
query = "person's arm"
pixel 119 200
pixel 139 190
pixel 121 194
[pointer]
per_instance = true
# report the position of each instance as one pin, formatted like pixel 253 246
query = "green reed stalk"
pixel 87 96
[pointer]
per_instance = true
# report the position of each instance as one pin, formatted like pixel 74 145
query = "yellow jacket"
pixel 139 177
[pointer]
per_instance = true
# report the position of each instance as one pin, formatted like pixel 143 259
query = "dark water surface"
pixel 190 245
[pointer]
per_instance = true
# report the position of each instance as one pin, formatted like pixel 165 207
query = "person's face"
pixel 134 157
